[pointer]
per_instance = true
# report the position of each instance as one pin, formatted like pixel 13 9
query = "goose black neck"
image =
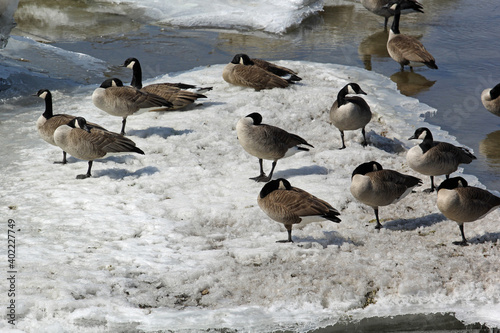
pixel 495 92
pixel 136 76
pixel 395 22
pixel 341 96
pixel 426 144
pixel 48 106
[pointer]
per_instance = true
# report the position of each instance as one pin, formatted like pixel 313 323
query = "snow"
pixel 175 239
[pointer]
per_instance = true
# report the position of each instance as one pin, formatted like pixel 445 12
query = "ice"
pixel 7 9
pixel 270 16
pixel 27 64
pixel 175 240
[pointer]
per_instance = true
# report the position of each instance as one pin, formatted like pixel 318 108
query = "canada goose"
pixel 48 122
pixel 85 142
pixel 404 49
pixel 291 205
pixel 172 92
pixel 121 101
pixel 462 203
pixel 381 8
pixel 491 99
pixel 375 186
pixel 350 113
pixel 241 72
pixel 267 142
pixel 434 158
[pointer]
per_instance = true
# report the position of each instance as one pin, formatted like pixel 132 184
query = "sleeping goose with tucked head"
pixel 491 99
pixel 375 186
pixel 241 71
pixel 81 140
pixel 404 49
pixel 267 142
pixel 175 93
pixel 48 122
pixel 117 100
pixel 350 113
pixel 293 206
pixel 435 158
pixel 463 203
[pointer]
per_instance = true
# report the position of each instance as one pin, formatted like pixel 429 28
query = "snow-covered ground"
pixel 174 240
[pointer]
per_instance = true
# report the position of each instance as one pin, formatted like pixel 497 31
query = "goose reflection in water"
pixel 373 46
pixel 411 83
pixel 490 148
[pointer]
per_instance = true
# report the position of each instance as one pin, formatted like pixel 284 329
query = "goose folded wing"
pixel 459 154
pixel 176 96
pixel 258 78
pixel 481 199
pixel 413 50
pixel 398 181
pixel 109 142
pixel 139 98
pixel 310 205
pixel 275 69
pixel 282 205
pixel 287 139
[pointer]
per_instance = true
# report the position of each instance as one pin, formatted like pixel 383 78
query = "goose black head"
pixel 354 88
pixel 394 6
pixel 114 82
pixel 350 88
pixel 421 133
pixel 242 59
pixel 43 93
pixel 131 63
pixel 273 185
pixel 79 122
pixel 367 167
pixel 452 183
pixel 256 117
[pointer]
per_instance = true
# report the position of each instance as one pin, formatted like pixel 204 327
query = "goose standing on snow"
pixel 381 8
pixel 121 101
pixel 242 72
pixel 291 205
pixel 434 158
pixel 350 113
pixel 462 203
pixel 491 99
pixel 404 49
pixel 48 122
pixel 375 186
pixel 85 142
pixel 172 92
pixel 267 142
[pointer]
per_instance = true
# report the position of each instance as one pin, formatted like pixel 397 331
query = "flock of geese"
pixel 371 184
